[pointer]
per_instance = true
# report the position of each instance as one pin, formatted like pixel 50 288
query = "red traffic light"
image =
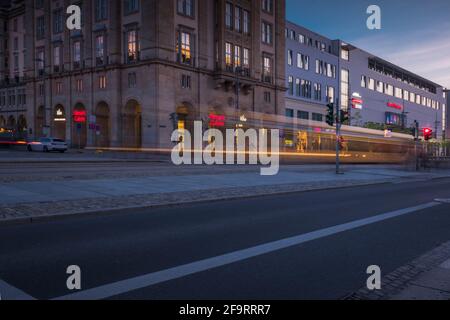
pixel 427 133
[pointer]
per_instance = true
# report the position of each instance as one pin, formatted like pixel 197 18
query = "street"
pixel 199 251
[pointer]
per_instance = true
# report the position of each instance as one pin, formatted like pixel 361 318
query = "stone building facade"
pixel 138 69
pixel 13 109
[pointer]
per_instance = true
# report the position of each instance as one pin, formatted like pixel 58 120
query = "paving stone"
pixel 421 279
pixel 437 278
pixel 414 292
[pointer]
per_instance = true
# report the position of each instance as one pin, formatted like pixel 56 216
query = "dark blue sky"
pixel 415 33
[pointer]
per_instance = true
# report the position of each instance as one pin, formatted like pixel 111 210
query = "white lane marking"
pixel 442 200
pixel 124 286
pixel 8 292
pixel 445 265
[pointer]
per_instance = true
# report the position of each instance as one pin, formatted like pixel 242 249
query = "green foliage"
pixel 393 128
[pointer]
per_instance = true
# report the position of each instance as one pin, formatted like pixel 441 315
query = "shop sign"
pixel 79 116
pixel 59 115
pixel 357 102
pixel 394 105
pixel 216 121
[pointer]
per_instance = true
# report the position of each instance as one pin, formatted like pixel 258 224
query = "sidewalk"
pixel 426 278
pixel 28 201
pixel 74 155
pixel 45 191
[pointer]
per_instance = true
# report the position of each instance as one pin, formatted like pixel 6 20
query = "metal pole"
pixel 416 142
pixel 79 137
pixel 349 103
pixel 338 137
pixel 436 126
pixel 415 155
pixel 403 113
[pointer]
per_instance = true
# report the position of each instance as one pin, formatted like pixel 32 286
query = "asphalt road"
pixel 165 253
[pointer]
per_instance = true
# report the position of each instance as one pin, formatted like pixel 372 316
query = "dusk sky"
pixel 415 34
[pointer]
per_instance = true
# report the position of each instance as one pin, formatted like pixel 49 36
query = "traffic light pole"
pixel 338 137
pixel 416 142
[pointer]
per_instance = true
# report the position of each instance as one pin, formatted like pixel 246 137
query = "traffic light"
pixel 415 130
pixel 344 116
pixel 427 134
pixel 330 114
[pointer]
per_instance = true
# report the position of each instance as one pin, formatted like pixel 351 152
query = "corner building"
pixel 139 69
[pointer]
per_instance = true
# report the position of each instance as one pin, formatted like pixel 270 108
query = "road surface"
pixel 313 245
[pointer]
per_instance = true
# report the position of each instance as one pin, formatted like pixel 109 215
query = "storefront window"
pixel 393 119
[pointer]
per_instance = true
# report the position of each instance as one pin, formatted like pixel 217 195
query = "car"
pixel 48 145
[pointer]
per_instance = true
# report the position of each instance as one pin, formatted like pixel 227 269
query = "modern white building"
pixel 375 92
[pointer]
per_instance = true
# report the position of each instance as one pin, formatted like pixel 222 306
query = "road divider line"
pixel 8 292
pixel 144 281
pixel 443 201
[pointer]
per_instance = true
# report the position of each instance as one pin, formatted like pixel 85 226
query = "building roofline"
pixel 393 65
pixel 372 55
pixel 309 30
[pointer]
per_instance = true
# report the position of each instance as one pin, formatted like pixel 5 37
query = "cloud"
pixel 426 53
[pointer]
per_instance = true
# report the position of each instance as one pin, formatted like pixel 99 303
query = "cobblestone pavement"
pixel 35 211
pixel 52 191
pixel 426 278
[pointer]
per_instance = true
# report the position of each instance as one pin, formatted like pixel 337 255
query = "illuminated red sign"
pixel 79 116
pixel 357 103
pixel 395 106
pixel 216 120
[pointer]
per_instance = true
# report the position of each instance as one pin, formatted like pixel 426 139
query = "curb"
pixel 119 210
